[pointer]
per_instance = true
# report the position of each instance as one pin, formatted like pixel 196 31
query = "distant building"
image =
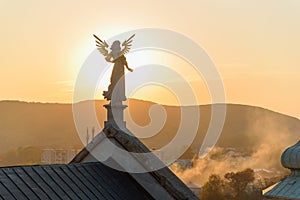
pixel 58 156
pixel 184 163
pixel 289 188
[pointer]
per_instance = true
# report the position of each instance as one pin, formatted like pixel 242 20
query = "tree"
pixel 238 183
pixel 213 189
pixel 234 186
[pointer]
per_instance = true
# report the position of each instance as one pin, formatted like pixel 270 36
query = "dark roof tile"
pixel 72 181
pixel 288 188
pixel 163 177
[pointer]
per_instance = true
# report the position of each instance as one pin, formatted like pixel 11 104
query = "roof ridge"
pixel 164 176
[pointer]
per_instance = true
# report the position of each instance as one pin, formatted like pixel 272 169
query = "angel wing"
pixel 127 45
pixel 101 46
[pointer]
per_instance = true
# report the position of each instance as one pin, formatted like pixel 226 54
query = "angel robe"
pixel 116 89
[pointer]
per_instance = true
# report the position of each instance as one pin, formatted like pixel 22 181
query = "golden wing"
pixel 101 46
pixel 127 45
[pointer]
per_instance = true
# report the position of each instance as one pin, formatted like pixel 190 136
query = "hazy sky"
pixel 255 44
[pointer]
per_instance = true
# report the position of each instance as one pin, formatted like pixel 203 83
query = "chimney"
pixel 93 132
pixel 87 136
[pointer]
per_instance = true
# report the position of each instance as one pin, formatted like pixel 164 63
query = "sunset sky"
pixel 254 44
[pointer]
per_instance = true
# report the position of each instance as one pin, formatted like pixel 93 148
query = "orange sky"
pixel 255 44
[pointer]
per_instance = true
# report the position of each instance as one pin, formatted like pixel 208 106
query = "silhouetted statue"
pixel 116 89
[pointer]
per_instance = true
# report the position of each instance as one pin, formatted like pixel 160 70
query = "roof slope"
pixel 72 181
pixel 161 184
pixel 289 188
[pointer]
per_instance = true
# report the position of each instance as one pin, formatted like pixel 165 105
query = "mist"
pixel 270 140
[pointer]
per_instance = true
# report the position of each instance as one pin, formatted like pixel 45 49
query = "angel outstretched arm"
pixel 127 45
pixel 126 65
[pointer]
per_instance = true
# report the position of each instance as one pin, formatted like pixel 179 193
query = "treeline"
pixel 235 186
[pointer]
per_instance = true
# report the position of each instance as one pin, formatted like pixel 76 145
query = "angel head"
pixel 116 50
pixel 116 46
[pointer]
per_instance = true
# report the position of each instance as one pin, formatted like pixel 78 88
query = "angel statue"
pixel 116 89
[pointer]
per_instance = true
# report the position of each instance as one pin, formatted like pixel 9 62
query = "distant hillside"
pixel 49 125
pixel 250 130
pixel 36 124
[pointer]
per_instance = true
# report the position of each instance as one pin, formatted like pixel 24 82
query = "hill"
pixel 248 129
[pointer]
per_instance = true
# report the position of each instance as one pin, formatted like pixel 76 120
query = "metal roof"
pixel 163 177
pixel 289 188
pixel 69 181
pixel 290 158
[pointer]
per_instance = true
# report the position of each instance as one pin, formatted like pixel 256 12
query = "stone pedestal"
pixel 115 116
